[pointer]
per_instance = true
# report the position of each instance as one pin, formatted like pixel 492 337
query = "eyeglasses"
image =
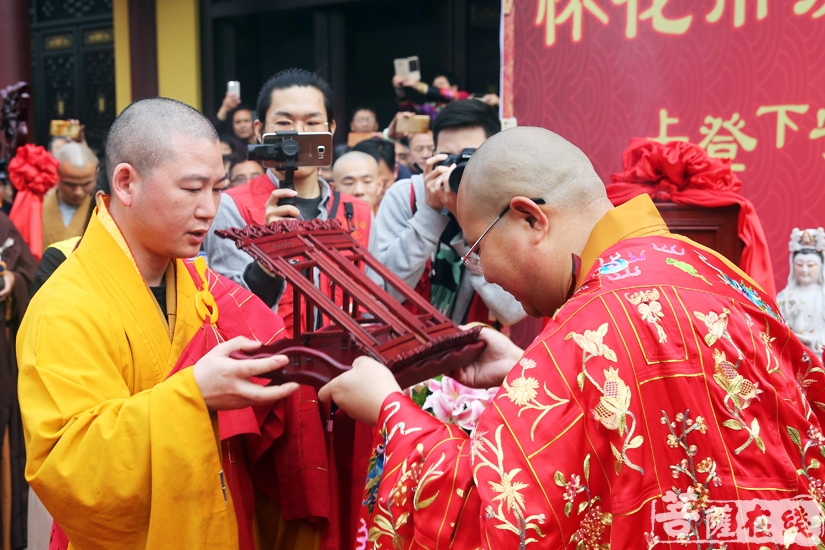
pixel 471 259
pixel 424 148
pixel 364 119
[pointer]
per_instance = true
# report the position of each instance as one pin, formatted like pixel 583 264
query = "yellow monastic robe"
pixel 121 456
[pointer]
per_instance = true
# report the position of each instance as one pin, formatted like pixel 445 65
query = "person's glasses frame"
pixel 471 259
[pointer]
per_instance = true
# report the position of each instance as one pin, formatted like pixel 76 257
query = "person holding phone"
pixel 234 118
pixel 296 99
pixel 293 99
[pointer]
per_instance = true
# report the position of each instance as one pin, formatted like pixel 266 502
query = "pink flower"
pixel 453 403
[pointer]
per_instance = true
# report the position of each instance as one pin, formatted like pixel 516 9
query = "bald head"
pixel 77 155
pixel 354 161
pixel 358 174
pixel 529 162
pixel 142 134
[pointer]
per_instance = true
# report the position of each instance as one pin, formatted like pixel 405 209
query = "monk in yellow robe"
pixel 139 427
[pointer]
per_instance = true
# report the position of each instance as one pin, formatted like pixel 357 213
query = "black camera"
pixel 288 151
pixel 281 150
pixel 460 161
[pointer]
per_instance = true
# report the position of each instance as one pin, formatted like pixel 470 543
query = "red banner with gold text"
pixel 743 78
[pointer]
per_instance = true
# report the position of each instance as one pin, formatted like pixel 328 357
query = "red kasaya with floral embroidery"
pixel 665 403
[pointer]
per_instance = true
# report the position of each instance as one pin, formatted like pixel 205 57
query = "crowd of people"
pixel 646 412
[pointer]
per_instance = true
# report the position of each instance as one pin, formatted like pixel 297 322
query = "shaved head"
pixel 528 247
pixel 530 162
pixel 354 160
pixel 142 134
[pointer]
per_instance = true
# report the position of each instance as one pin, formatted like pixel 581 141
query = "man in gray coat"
pixel 417 236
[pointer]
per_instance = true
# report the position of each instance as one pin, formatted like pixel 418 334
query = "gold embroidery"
pixel 614 405
pixel 522 393
pixel 509 494
pixel 647 303
pixel 693 503
pixel 411 480
pixel 594 523
pixel 740 392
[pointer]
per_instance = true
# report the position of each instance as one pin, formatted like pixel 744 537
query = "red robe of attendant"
pixel 665 402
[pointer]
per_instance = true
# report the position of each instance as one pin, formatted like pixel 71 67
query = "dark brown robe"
pixel 13 488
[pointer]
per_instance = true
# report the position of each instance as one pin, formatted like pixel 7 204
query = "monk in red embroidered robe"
pixel 664 402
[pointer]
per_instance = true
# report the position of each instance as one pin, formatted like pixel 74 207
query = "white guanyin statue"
pixel 802 302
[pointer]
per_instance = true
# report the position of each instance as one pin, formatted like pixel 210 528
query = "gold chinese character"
pixel 718 11
pixel 802 7
pixel 664 122
pixel 819 131
pixel 782 119
pixel 574 12
pixel 660 22
pixel 726 147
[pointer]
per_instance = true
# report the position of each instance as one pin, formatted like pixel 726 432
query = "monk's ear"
pixel 258 127
pixel 124 181
pixel 528 211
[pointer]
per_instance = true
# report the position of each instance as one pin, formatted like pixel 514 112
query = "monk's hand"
pixel 434 182
pixel 225 382
pixel 361 391
pixel 275 212
pixel 494 363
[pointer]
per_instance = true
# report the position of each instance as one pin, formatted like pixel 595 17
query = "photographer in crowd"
pixel 418 237
pixel 293 99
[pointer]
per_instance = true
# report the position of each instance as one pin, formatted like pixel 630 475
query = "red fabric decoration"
pixel 683 173
pixel 32 171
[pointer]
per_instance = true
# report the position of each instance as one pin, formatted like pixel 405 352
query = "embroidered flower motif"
pixel 592 343
pixel 509 490
pixel 573 488
pixel 509 493
pixel 647 303
pixel 613 408
pixel 814 441
pixel 740 392
pixel 521 390
pixel 477 445
pixel 816 435
pixel 614 403
pixel 717 325
pixel 595 522
pixel 693 502
pixel 590 531
pixel 739 388
pixel 651 540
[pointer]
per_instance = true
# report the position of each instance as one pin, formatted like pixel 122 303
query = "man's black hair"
pixel 467 113
pixel 378 149
pixel 290 78
pixel 451 78
pixel 235 160
pixel 241 107
pixel 228 140
pixel 370 109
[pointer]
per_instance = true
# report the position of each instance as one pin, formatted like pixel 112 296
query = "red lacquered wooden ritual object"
pixel 415 347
